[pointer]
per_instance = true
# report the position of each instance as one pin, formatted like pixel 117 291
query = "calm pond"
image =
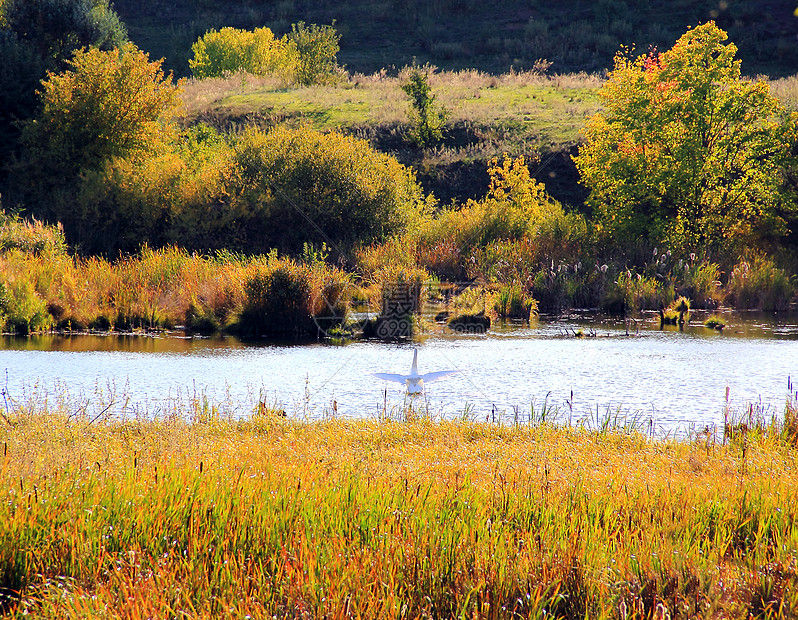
pixel 670 380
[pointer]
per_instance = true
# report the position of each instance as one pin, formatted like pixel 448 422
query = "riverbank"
pixel 274 517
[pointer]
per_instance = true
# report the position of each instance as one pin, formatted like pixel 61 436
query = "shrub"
pixel 701 283
pixel 22 310
pixel 303 186
pixel 184 195
pixel 230 50
pixel 307 55
pixel 30 236
pixel 286 298
pixel 398 250
pixel 317 50
pixel 715 322
pixel 632 292
pixel 427 119
pixel 505 223
pixel 277 300
pixel 251 192
pixel 107 106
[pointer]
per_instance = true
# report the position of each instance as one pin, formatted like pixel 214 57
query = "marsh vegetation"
pixel 265 516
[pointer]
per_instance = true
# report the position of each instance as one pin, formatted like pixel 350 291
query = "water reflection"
pixel 675 378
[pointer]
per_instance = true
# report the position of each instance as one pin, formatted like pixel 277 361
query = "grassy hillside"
pixel 574 35
pixel 536 116
pixel 521 114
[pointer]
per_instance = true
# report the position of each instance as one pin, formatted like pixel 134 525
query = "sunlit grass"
pixel 273 517
pixel 555 107
pixel 551 108
pixel 164 289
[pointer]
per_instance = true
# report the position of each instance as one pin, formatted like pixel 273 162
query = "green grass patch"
pixel 556 107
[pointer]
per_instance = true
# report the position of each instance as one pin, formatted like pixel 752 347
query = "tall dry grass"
pixel 167 288
pixel 267 517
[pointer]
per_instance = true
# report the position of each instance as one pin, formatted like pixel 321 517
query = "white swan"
pixel 414 381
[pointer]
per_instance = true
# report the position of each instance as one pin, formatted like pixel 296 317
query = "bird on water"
pixel 414 381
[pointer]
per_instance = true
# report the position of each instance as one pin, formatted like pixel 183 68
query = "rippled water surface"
pixel 677 379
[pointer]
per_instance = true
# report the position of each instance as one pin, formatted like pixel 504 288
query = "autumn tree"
pixel 317 50
pixel 106 105
pixel 685 150
pixel 37 36
pixel 231 50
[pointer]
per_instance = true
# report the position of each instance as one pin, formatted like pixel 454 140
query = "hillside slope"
pixel 574 35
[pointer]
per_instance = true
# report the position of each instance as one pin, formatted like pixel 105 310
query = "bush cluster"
pixel 306 55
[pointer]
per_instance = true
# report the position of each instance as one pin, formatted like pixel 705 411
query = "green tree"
pixel 317 48
pixel 56 28
pixel 686 151
pixel 427 118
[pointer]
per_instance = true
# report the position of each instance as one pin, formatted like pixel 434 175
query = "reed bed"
pixel 164 288
pixel 271 517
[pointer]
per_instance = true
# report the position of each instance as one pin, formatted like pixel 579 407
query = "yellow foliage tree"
pixel 685 150
pixel 106 104
pixel 231 50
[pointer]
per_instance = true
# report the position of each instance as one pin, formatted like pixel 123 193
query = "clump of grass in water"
pixel 513 302
pixel 676 314
pixel 715 322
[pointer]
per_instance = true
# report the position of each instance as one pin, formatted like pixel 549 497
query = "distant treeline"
pixel 573 35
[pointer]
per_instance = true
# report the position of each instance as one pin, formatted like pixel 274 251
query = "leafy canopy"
pixel 37 36
pixel 105 105
pixel 324 187
pixel 317 48
pixel 306 55
pixel 56 28
pixel 231 50
pixel 685 150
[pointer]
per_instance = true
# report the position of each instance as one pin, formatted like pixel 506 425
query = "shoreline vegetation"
pixel 45 288
pixel 409 517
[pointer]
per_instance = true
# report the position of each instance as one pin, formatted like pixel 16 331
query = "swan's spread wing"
pixel 431 376
pixel 390 377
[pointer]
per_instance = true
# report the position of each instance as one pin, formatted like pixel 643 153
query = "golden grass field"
pixel 279 518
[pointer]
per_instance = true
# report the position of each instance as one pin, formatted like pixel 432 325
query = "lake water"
pixel 670 380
